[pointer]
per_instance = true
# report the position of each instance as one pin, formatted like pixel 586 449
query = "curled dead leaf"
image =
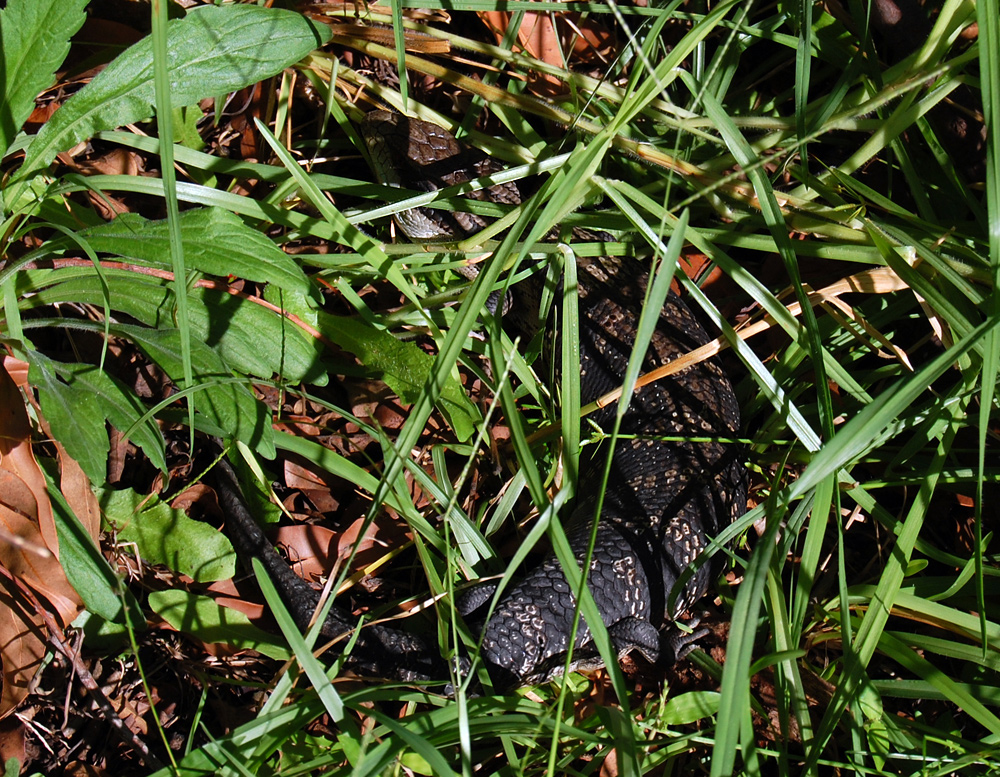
pixel 29 549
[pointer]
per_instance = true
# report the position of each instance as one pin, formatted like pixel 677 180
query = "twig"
pixel 128 736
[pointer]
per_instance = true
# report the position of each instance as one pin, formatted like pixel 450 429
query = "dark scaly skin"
pixel 662 502
pixel 427 161
pixel 663 499
pixel 380 651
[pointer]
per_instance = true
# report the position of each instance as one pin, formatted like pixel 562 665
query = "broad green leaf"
pixel 89 572
pixel 255 340
pixel 186 127
pixel 215 242
pixel 404 367
pixel 77 399
pixel 76 419
pixel 228 405
pixel 203 619
pixel 416 763
pixel 119 406
pixel 252 339
pixel 167 536
pixel 689 707
pixel 34 41
pixel 213 50
pixel 293 303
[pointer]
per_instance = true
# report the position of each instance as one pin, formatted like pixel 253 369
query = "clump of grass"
pixel 858 314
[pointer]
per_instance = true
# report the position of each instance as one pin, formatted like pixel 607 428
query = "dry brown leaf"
pixel 79 769
pixel 12 740
pixel 311 549
pixel 75 488
pixel 556 39
pixel 194 494
pixel 22 647
pixel 16 456
pixel 313 487
pixel 609 767
pixel 28 551
pixel 17 369
pixel 23 553
pixel 226 594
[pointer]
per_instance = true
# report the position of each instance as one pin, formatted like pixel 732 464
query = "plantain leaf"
pixel 75 417
pixel 212 51
pixel 404 366
pixel 203 619
pixel 77 399
pixel 119 406
pixel 690 707
pixel 34 41
pixel 252 339
pixel 167 536
pixel 230 407
pixel 215 241
pixel 103 593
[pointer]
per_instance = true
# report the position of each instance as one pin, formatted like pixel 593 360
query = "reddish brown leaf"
pixel 75 487
pixel 28 550
pixel 11 740
pixel 22 647
pixel 554 39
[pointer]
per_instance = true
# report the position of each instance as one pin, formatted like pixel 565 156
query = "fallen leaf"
pixel 12 740
pixel 22 647
pixel 554 38
pixel 29 549
pixel 76 490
